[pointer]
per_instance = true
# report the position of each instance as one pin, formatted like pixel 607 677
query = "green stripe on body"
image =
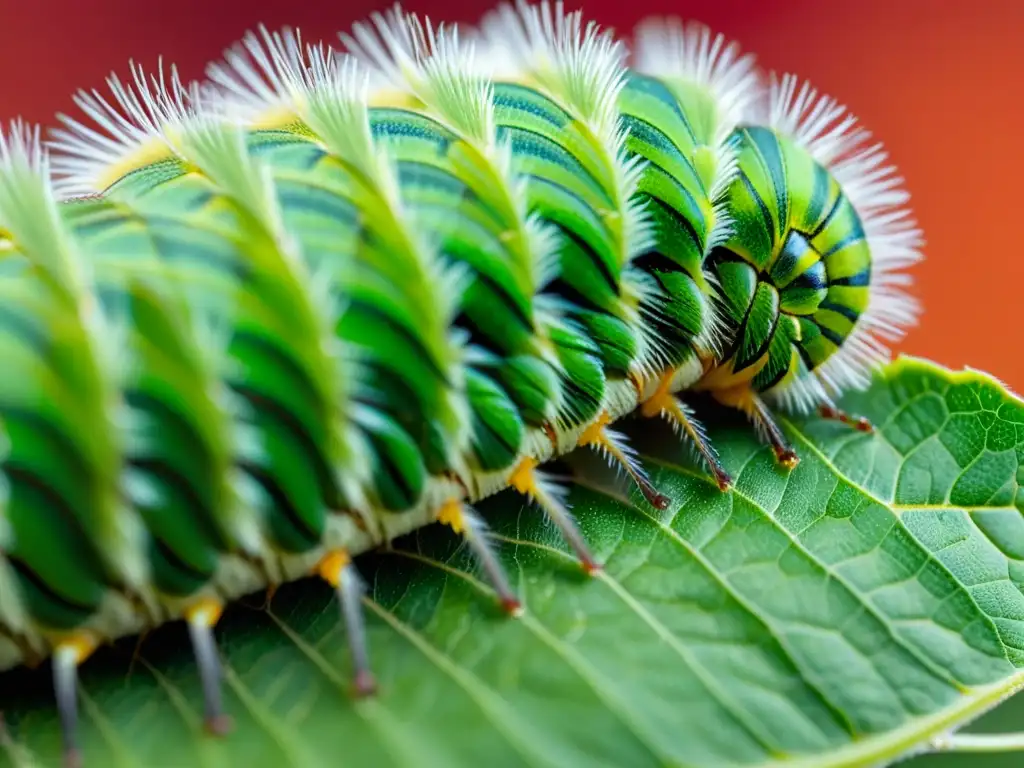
pixel 54 483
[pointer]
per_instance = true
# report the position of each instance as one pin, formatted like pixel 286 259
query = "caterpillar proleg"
pixel 257 325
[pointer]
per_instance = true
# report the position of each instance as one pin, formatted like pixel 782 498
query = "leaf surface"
pixel 843 614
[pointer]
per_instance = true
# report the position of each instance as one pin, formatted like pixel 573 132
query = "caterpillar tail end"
pixel 202 617
pixel 614 446
pixel 68 655
pixel 338 570
pixel 665 404
pixel 464 521
pixel 532 484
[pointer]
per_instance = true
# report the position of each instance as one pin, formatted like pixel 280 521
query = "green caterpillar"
pixel 255 326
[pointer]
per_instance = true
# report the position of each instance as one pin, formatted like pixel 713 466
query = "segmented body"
pixel 286 317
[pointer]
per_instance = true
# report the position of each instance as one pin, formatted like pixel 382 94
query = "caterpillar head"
pixel 812 269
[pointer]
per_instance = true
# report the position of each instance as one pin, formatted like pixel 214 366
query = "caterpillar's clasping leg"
pixel 613 444
pixel 67 656
pixel 678 414
pixel 527 481
pixel 338 570
pixel 746 400
pixel 857 422
pixel 464 521
pixel 202 617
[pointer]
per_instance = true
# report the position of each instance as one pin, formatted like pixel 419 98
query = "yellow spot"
pixel 661 400
pixel 81 644
pixel 522 477
pixel 147 153
pixel 393 97
pixel 451 515
pixel 205 611
pixel 280 116
pixel 594 434
pixel 331 565
pixel 789 460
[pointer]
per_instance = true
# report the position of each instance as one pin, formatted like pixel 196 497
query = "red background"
pixel 939 82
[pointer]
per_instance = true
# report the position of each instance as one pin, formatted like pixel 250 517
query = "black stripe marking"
pixel 268 407
pixel 810 279
pixel 602 268
pixel 36 580
pixel 175 479
pixel 766 147
pixel 766 214
pixel 512 449
pixel 69 458
pixel 860 280
pixel 765 345
pixel 664 143
pixel 281 501
pixel 175 562
pixel 533 103
pixel 361 305
pixel 545 148
pixel 804 354
pixel 686 224
pixel 506 299
pixel 850 239
pixel 779 376
pixel 819 194
pixel 825 222
pixel 655 89
pixel 394 472
pixel 840 309
pixel 401 123
pixel 831 335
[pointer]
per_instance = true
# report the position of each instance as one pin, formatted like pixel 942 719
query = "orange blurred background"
pixel 938 81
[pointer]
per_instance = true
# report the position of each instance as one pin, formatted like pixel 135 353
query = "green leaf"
pixel 844 614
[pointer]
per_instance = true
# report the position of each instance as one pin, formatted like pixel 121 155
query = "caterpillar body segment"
pixel 323 299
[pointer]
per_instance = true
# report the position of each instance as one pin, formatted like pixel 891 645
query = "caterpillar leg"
pixel 681 417
pixel 748 401
pixel 613 445
pixel 67 656
pixel 461 519
pixel 338 570
pixel 832 413
pixel 201 619
pixel 527 481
